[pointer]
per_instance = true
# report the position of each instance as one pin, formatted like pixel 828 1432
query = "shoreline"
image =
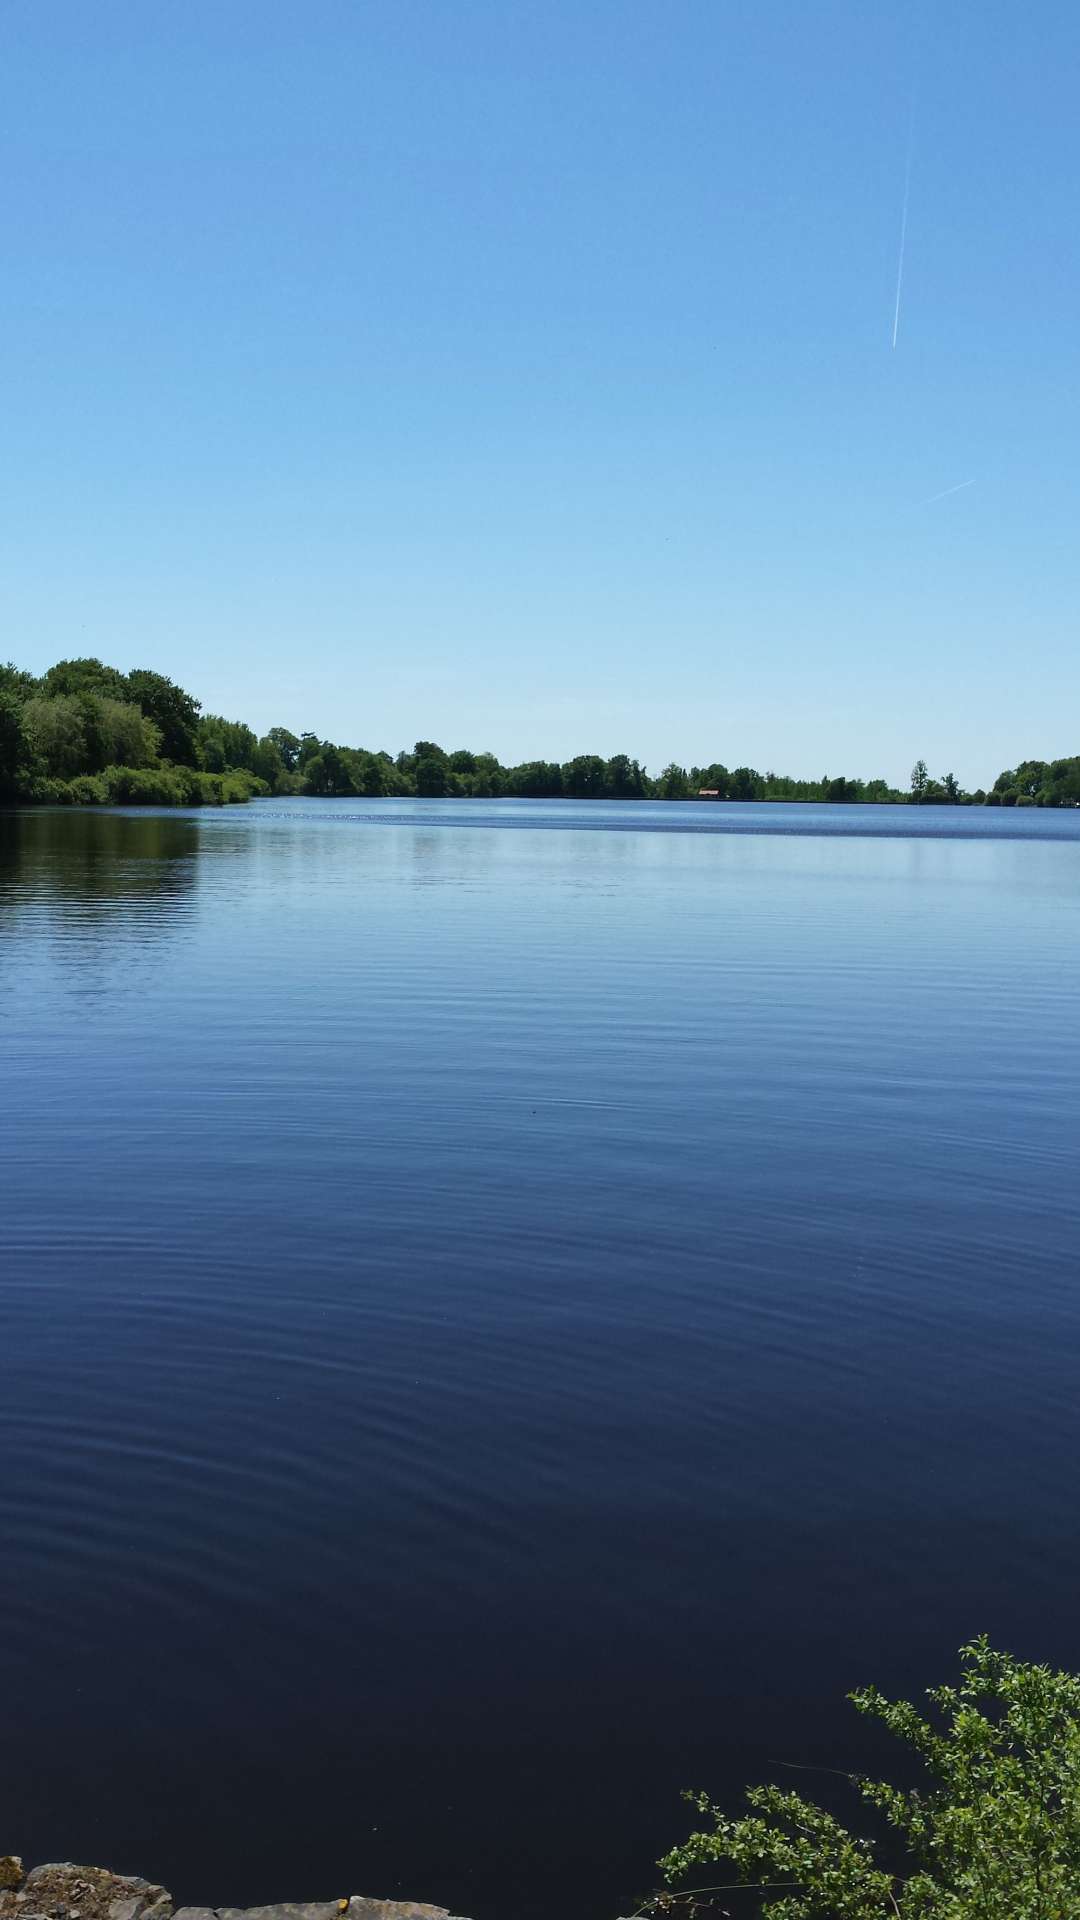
pixel 62 1890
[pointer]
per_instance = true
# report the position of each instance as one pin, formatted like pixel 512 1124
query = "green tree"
pixel 327 773
pixel 288 746
pixel 586 777
pixel 535 780
pixel 840 789
pixel 744 784
pixel 88 675
pixel 21 685
pixel 951 785
pixel 489 777
pixel 432 774
pixel 266 761
pixel 993 1833
pixel 123 734
pixel 919 777
pixel 174 713
pixel 712 779
pixel 623 778
pixel 16 749
pixel 673 783
pixel 57 732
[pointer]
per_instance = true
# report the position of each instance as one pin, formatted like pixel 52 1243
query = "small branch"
pixel 799 1767
pixel 724 1886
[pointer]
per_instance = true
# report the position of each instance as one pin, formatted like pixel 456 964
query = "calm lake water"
pixel 508 1311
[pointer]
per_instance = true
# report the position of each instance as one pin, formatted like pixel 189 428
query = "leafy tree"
pixel 489 778
pixel 993 1834
pixel 124 735
pixel 86 676
pixel 744 784
pixel 623 778
pixel 586 777
pixel 57 732
pixel 211 749
pixel 1066 779
pixel 535 780
pixel 714 778
pixel 174 713
pixel 266 761
pixel 951 786
pixel 288 746
pixel 328 773
pixel 919 778
pixel 840 789
pixel 673 783
pixel 226 743
pixel 16 749
pixel 20 685
pixel 432 774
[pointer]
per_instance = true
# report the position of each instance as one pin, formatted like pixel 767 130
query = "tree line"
pixel 85 733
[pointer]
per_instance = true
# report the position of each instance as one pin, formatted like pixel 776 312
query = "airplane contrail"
pixel 945 492
pixel 903 223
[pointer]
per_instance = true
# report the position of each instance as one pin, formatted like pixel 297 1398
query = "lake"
pixel 510 1310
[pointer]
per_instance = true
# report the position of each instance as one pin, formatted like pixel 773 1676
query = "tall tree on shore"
pixel 174 713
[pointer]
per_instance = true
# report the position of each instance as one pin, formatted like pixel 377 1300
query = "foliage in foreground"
pixel 993 1835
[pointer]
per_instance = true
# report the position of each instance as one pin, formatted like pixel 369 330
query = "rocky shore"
pixel 61 1891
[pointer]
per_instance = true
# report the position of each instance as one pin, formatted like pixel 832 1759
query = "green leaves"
pixel 994 1833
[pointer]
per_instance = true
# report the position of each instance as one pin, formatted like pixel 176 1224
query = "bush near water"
pixel 86 734
pixel 989 1831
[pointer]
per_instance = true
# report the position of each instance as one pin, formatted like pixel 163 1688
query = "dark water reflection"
pixel 496 1326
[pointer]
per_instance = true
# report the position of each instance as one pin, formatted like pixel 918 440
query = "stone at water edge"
pixel 357 1907
pixel 11 1872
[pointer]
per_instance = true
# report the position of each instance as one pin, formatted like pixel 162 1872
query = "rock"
pixel 288 1910
pixel 361 1909
pixel 356 1908
pixel 61 1891
pixel 11 1871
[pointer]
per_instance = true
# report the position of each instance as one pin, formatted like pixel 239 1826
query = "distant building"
pixel 708 793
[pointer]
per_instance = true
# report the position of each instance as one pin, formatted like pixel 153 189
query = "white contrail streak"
pixel 945 492
pixel 903 225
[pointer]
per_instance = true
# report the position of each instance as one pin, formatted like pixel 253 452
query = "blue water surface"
pixel 509 1310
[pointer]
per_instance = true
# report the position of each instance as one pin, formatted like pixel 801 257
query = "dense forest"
pixel 86 734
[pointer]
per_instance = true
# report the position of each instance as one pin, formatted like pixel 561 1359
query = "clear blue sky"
pixel 519 374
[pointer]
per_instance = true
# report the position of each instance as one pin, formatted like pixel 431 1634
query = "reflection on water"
pixel 134 872
pixel 498 1325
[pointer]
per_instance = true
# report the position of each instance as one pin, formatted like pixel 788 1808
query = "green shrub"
pixel 88 790
pixel 141 787
pixel 43 792
pixel 206 789
pixel 994 1834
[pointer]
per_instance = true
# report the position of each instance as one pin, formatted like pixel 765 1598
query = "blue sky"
pixel 519 374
